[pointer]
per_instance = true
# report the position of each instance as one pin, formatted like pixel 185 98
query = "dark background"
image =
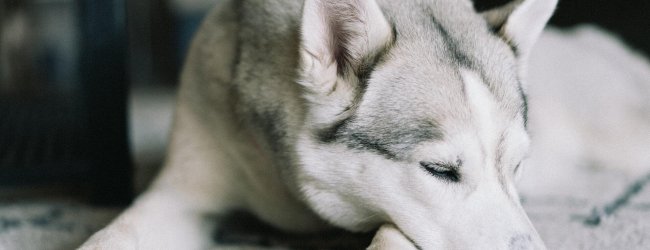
pixel 63 112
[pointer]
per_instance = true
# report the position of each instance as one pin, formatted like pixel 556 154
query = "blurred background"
pixel 71 69
pixel 66 70
pixel 86 87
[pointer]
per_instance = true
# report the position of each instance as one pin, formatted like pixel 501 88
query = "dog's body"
pixel 397 112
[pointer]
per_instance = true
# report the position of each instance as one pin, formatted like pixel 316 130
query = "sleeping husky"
pixel 358 114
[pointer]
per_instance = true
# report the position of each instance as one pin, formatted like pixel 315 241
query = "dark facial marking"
pixel 364 141
pixel 510 43
pixel 369 63
pixel 496 28
pixel 388 140
pixel 331 133
pixel 499 31
pixel 517 168
pixel 524 97
pixel 524 107
pixel 499 162
pixel 460 58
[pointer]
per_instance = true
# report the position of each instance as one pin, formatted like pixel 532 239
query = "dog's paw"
pixel 113 237
pixel 389 237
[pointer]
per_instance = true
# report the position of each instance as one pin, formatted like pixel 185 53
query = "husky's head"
pixel 417 117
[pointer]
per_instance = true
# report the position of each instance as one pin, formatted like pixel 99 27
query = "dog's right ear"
pixel 520 23
pixel 338 39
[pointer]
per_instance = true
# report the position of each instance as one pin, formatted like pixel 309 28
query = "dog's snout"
pixel 521 242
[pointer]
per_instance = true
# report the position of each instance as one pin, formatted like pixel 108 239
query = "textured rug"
pixel 49 225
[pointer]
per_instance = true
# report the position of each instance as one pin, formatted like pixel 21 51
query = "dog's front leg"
pixel 196 182
pixel 158 220
pixel 389 237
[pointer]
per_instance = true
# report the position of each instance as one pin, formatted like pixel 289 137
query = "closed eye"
pixel 444 171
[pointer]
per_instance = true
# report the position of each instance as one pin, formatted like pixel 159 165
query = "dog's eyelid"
pixel 443 170
pixel 447 165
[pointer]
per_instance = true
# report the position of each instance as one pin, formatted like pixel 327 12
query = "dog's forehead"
pixel 409 89
pixel 417 91
pixel 435 42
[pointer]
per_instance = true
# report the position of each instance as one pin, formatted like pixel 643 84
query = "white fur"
pixel 485 112
pixel 483 108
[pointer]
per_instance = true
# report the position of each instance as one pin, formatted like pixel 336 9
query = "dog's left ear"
pixel 339 40
pixel 520 23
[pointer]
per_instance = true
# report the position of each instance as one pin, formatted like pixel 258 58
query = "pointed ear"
pixel 338 39
pixel 520 23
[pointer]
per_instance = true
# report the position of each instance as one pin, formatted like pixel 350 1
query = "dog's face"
pixel 417 117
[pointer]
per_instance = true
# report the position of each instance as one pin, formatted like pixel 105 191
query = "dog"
pixel 356 114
